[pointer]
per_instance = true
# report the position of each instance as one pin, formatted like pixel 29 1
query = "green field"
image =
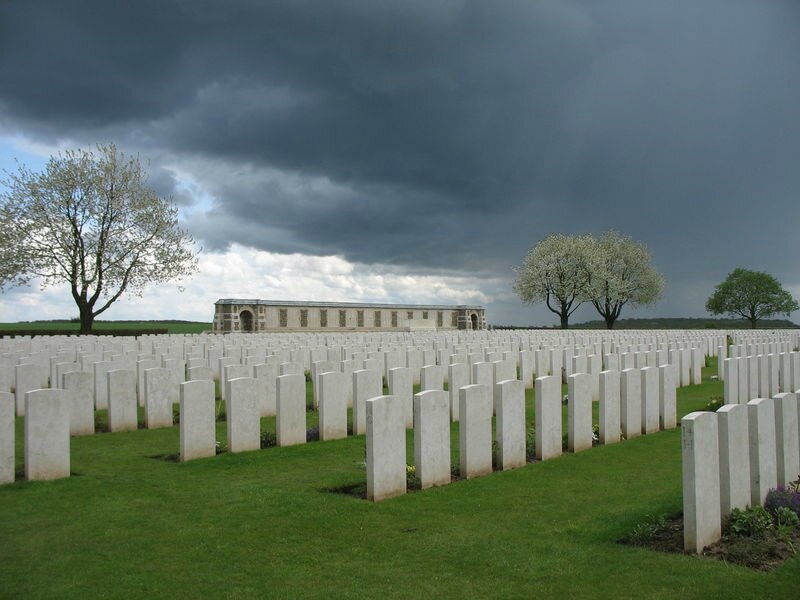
pixel 130 524
pixel 70 327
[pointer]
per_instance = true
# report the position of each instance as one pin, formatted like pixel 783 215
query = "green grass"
pixel 261 524
pixel 67 326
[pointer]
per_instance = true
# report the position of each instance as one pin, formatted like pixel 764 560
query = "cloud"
pixel 444 137
pixel 243 272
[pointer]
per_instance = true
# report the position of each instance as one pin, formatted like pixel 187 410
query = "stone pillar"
pixel 579 412
pixel 290 422
pixel 458 377
pixel 734 458
pixel 122 405
pixel 400 385
pixel 651 418
pixel 332 406
pixel 157 398
pixel 386 447
pixel 198 420
pixel 242 414
pixel 475 430
pixel 763 457
pixel 7 434
pixel 366 385
pixel 80 396
pixel 631 403
pixel 786 438
pixel 432 437
pixel 509 403
pixel 702 524
pixel 609 407
pixel 46 435
pixel 548 417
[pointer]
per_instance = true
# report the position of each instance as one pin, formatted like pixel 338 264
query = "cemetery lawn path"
pixel 132 524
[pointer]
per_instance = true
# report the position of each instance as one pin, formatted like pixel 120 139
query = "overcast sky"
pixel 413 151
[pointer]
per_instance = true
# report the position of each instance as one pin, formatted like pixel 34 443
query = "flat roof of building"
pixel 349 304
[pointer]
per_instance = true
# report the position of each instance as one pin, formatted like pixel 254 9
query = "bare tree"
pixel 89 220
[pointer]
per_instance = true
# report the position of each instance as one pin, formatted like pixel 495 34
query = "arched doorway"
pixel 474 319
pixel 246 321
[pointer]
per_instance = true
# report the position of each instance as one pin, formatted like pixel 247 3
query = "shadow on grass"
pixel 167 456
pixel 355 490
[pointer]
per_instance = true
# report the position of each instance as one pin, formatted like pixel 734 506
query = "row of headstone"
pixel 732 458
pixel 634 402
pixel 185 353
pixel 386 436
pixel 760 376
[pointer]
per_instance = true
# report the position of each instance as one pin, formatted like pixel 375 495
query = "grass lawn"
pixel 68 327
pixel 263 524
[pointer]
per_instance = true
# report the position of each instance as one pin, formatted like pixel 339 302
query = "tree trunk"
pixel 87 318
pixel 753 322
pixel 609 321
pixel 564 320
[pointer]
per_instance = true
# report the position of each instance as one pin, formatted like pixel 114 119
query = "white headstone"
pixel 786 438
pixel 579 412
pixel 332 406
pixel 734 458
pixel 702 523
pixel 386 448
pixel 763 457
pixel 242 414
pixel 158 398
pixel 631 403
pixel 650 400
pixel 198 423
pixel 548 417
pixel 458 377
pixel 400 385
pixel 122 406
pixel 80 395
pixel 475 430
pixel 609 407
pixel 432 437
pixel 290 422
pixel 510 424
pixel 266 375
pixel 7 434
pixel 46 435
pixel 366 385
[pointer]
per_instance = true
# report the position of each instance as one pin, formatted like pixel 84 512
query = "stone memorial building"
pixel 242 316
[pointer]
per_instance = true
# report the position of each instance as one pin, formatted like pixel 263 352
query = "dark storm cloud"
pixel 439 135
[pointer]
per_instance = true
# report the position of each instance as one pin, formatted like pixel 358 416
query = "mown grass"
pixel 70 327
pixel 265 524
